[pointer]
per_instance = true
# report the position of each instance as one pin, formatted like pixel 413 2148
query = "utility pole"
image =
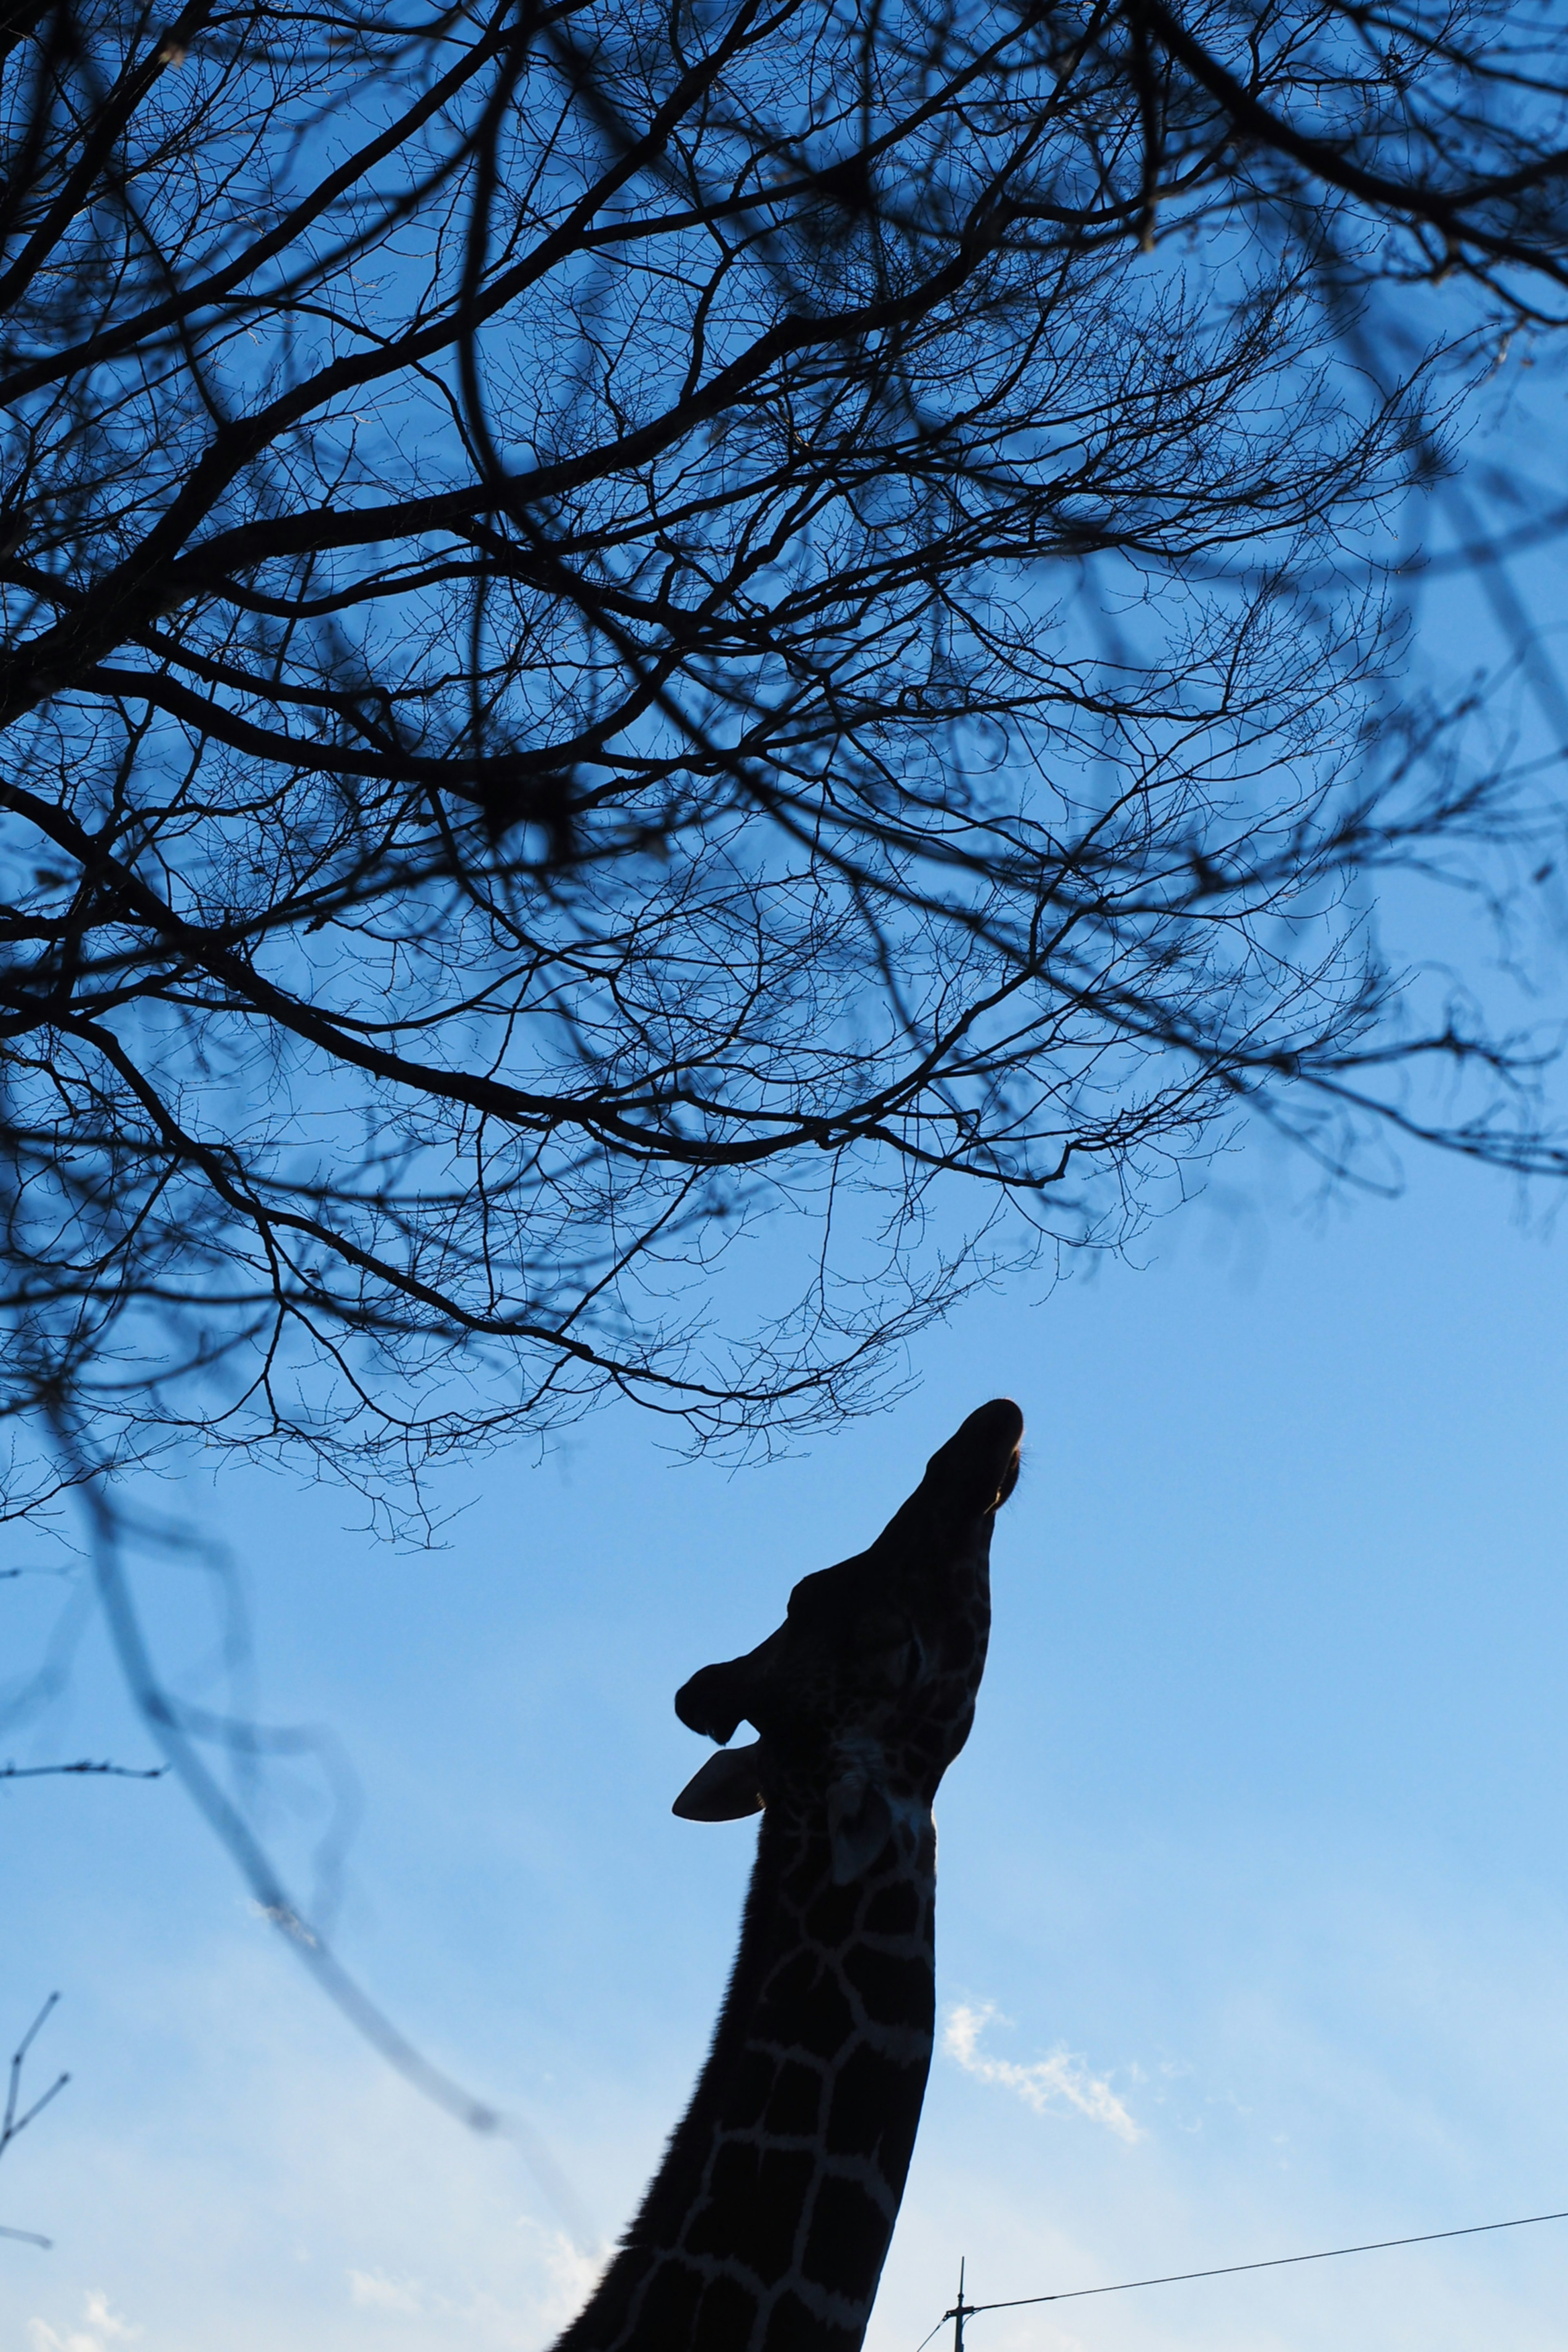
pixel 959 2311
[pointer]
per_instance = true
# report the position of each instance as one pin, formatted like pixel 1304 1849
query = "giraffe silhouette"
pixel 766 2226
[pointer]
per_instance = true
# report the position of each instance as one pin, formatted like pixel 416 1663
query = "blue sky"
pixel 1254 1903
pixel 1253 1914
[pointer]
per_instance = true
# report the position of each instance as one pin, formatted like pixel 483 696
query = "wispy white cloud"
pixel 373 2291
pixel 100 2331
pixel 571 2274
pixel 1051 2083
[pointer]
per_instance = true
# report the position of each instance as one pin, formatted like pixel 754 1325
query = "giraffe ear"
pixel 859 1823
pixel 726 1789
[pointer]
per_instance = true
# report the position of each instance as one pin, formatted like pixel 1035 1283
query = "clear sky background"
pixel 1254 1897
pixel 1253 1913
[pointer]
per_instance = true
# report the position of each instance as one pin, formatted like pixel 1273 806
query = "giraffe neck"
pixel 767 2225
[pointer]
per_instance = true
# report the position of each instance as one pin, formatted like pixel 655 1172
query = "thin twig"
pixel 13 2124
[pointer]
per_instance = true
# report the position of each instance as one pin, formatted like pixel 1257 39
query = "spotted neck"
pixel 768 2223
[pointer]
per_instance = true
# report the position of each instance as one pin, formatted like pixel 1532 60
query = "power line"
pixel 966 2311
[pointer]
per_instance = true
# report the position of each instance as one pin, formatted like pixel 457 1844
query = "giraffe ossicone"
pixel 767 2224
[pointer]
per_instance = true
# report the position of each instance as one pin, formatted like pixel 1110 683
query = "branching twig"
pixel 14 2124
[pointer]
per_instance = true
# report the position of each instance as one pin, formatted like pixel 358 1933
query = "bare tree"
pixel 622 619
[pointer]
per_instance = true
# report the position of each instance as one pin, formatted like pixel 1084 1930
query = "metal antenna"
pixel 959 2312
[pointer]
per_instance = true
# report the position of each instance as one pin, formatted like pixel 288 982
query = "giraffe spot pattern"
pixel 767 2225
pixel 793 2328
pixel 748 2214
pixel 794 2107
pixel 873 2100
pixel 849 2231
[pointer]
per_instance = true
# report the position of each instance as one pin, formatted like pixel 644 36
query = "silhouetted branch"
pixel 713 614
pixel 11 2123
pixel 181 1729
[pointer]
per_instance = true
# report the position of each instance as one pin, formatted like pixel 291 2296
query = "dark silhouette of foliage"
pixel 623 620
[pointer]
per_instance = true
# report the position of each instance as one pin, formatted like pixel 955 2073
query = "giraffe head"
pixel 866 1693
